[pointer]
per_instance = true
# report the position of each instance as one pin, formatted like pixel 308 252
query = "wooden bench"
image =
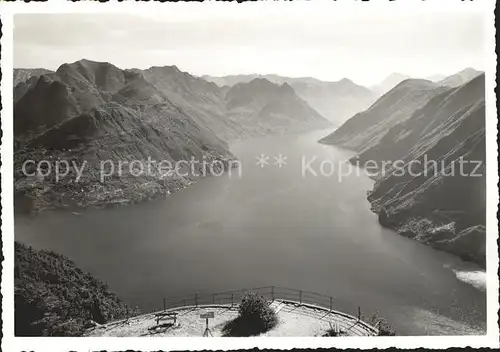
pixel 166 315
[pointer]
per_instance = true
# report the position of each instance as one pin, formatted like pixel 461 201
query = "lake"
pixel 269 225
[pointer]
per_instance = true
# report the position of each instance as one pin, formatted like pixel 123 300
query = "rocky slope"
pixel 435 190
pixel 53 297
pixel 337 101
pixel 98 117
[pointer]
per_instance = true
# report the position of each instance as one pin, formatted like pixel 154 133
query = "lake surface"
pixel 269 226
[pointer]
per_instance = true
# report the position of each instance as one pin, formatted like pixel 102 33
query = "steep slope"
pixel 366 128
pixel 424 123
pixel 442 201
pixel 337 101
pixel 202 100
pixel 270 107
pixel 53 297
pixel 208 105
pixel 459 78
pixel 92 114
pixel 435 190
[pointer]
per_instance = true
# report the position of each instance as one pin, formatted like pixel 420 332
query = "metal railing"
pixel 271 293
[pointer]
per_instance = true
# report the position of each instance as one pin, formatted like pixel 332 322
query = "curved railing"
pixel 273 293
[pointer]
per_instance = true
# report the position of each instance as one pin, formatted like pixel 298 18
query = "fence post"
pixel 196 299
pixel 330 303
pixel 272 292
pixel 359 313
pixel 300 295
pixel 164 304
pixel 232 299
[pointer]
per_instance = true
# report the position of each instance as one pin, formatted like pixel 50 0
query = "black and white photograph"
pixel 256 170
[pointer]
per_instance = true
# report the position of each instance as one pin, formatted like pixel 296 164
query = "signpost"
pixel 207 329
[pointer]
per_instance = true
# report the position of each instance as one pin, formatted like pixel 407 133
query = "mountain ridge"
pixel 335 100
pixel 364 129
pixel 125 115
pixel 422 202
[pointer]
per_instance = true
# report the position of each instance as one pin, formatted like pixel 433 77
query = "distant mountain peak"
pixel 346 81
pixel 171 68
pixel 389 82
pixel 460 77
pixel 416 83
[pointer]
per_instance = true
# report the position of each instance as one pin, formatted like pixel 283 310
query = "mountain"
pixel 211 106
pixel 337 101
pixel 434 190
pixel 459 78
pixel 388 83
pixel 94 113
pixel 365 129
pixel 53 297
pixel 26 78
pixel 231 80
pixel 271 107
pixel 24 74
pixel 444 205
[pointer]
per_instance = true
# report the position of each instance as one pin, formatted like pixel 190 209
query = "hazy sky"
pixel 363 48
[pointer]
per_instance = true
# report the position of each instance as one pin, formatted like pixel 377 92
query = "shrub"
pixel 255 317
pixel 256 311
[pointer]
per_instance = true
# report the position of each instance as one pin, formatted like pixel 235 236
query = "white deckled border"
pixel 317 8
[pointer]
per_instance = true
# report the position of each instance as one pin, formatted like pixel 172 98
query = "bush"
pixel 255 317
pixel 256 310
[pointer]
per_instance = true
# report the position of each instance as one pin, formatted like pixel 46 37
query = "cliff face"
pixel 92 114
pixel 435 189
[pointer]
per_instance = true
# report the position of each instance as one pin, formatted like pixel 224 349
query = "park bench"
pixel 166 315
